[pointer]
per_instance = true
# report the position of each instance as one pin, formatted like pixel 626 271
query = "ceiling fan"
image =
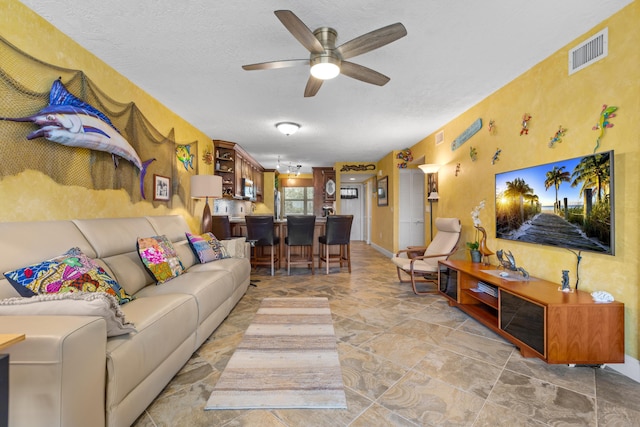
pixel 327 60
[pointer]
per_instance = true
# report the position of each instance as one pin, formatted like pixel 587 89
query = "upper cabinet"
pixel 237 168
pixel 225 166
pixel 329 184
pixel 325 188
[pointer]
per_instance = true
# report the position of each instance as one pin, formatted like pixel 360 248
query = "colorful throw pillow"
pixel 206 247
pixel 160 258
pixel 71 272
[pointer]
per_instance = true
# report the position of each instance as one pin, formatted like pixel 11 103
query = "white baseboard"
pixel 382 250
pixel 630 367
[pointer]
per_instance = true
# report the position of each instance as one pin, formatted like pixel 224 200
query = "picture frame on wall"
pixel 161 188
pixel 383 191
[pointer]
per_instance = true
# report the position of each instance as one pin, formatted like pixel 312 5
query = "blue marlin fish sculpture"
pixel 69 121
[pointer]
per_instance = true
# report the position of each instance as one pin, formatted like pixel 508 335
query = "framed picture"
pixel 383 191
pixel 161 188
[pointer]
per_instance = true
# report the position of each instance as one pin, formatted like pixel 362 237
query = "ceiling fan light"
pixel 287 128
pixel 325 67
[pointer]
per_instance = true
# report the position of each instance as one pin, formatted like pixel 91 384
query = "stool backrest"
pixel 338 230
pixel 300 229
pixel 221 227
pixel 260 229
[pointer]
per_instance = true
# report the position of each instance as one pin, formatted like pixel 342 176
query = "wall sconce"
pixel 206 186
pixel 432 189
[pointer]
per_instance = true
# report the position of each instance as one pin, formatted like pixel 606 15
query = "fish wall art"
pixel 69 121
pixel 183 153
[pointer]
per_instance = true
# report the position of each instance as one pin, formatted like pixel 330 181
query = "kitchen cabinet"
pixel 234 164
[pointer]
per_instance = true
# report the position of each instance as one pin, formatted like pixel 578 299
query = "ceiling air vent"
pixel 589 51
pixel 440 137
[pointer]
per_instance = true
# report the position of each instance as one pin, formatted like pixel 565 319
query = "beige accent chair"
pixel 423 261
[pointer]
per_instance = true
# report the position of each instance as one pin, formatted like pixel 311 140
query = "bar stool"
pixel 221 227
pixel 300 233
pixel 260 230
pixel 337 232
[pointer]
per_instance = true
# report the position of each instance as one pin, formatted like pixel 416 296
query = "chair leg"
pixel 288 260
pixel 326 254
pixel 272 260
pixel 349 256
pixel 413 282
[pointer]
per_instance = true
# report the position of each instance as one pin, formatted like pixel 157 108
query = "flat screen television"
pixel 247 189
pixel 568 204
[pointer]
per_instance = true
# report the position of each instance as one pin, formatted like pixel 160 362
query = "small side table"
pixel 6 340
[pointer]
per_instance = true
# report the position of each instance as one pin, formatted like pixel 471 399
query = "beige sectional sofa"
pixel 67 372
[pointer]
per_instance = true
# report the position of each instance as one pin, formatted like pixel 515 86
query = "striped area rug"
pixel 287 359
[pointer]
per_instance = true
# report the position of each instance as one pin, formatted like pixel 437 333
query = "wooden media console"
pixel 557 327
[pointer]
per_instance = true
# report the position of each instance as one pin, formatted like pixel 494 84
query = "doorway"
pixel 352 203
pixel 411 208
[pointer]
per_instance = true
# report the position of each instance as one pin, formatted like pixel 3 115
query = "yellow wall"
pixel 553 98
pixel 46 199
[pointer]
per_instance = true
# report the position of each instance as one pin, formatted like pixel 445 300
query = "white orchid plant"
pixel 475 217
pixel 475 214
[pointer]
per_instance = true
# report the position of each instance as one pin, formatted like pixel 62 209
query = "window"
pixel 298 201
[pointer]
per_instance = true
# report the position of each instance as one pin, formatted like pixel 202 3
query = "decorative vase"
pixel 476 256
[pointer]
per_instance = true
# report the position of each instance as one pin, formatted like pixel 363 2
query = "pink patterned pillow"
pixel 160 258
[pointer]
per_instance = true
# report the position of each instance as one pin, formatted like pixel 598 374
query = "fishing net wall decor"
pixel 25 83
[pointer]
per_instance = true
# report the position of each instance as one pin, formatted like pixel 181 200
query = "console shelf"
pixel 541 321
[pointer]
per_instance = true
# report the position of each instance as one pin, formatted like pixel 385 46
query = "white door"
pixel 411 208
pixel 354 207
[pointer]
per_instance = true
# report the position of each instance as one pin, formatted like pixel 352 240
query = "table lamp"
pixel 206 186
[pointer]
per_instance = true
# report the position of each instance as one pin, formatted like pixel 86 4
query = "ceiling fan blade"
pixel 299 30
pixel 313 86
pixel 272 65
pixel 372 40
pixel 364 74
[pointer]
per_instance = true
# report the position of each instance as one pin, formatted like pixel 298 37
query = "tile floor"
pixel 407 360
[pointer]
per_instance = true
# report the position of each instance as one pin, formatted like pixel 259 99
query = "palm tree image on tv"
pixel 566 204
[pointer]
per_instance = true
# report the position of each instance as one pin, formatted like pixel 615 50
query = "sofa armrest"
pixel 57 374
pixel 238 247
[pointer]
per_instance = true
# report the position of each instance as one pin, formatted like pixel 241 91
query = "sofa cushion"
pixel 206 247
pixel 160 258
pixel 72 271
pixel 239 268
pixel 98 304
pixel 164 323
pixel 210 289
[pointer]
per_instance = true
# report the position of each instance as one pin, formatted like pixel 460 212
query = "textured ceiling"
pixel 188 55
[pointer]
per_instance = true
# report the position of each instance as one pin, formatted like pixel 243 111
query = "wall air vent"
pixel 440 137
pixel 589 51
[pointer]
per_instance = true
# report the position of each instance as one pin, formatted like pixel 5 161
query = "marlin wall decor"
pixel 69 121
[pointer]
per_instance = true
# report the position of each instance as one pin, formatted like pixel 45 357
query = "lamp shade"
pixel 203 186
pixel 429 168
pixel 433 196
